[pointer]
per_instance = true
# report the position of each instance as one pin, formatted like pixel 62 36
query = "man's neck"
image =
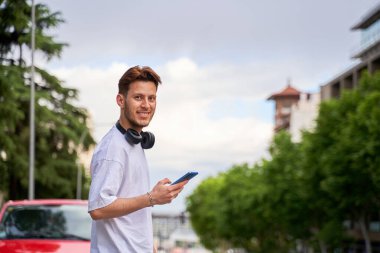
pixel 126 125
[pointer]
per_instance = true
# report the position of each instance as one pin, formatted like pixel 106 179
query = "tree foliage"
pixel 302 196
pixel 59 124
pixel 204 206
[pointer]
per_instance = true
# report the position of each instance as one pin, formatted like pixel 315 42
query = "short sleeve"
pixel 106 179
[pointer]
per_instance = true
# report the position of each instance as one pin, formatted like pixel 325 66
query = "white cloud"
pixel 97 92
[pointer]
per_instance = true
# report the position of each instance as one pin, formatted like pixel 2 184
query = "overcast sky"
pixel 219 60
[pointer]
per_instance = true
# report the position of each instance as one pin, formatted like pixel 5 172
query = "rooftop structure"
pixel 284 100
pixel 295 111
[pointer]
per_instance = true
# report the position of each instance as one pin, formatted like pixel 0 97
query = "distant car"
pixel 50 225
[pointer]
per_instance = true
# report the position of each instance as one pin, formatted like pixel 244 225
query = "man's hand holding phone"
pixel 165 191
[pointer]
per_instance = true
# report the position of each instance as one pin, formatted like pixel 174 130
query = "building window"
pixel 374 226
pixel 371 34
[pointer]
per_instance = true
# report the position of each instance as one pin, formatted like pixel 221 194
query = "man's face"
pixel 140 104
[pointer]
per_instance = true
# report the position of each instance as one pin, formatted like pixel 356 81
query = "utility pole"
pixel 32 113
pixel 79 174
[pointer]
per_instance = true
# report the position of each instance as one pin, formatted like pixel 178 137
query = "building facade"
pixel 295 111
pixel 304 114
pixel 368 54
pixel 173 234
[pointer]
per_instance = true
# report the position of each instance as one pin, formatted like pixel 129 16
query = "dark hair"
pixel 137 73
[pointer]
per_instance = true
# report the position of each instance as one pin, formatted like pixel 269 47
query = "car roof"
pixel 46 202
pixel 27 202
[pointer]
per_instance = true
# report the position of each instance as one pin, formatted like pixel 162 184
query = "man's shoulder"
pixel 111 146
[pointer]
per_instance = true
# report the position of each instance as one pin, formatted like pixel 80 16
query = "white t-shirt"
pixel 119 170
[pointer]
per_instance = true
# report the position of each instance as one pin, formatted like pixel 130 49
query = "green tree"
pixel 225 210
pixel 324 222
pixel 265 208
pixel 244 219
pixel 350 160
pixel 59 123
pixel 285 201
pixel 204 208
pixel 260 208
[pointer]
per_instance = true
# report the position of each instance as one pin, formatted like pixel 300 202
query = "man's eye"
pixel 138 97
pixel 152 99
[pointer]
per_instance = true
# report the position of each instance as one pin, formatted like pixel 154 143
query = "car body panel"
pixel 44 245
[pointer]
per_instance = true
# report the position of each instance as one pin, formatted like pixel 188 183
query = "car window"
pixel 70 222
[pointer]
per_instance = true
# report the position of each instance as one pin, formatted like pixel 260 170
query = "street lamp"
pixel 79 173
pixel 32 113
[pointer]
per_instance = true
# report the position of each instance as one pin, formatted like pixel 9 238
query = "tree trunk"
pixel 1 198
pixel 368 247
pixel 323 246
pixel 20 56
pixel 305 247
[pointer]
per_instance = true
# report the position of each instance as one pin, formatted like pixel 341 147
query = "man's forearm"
pixel 120 207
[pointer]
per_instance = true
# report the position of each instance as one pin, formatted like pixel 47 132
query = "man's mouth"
pixel 143 114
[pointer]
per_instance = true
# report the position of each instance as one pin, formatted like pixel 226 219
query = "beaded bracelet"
pixel 150 198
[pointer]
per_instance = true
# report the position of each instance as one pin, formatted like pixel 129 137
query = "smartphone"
pixel 189 175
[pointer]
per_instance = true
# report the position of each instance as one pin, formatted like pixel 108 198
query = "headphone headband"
pixel 146 139
pixel 120 128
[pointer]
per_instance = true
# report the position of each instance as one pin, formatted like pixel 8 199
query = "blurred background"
pixel 275 104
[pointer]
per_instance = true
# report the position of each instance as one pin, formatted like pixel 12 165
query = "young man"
pixel 120 198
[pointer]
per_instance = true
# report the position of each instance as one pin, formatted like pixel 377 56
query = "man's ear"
pixel 120 100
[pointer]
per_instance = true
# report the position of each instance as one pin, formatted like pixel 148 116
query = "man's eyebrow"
pixel 145 95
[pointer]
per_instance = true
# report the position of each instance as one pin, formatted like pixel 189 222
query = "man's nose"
pixel 145 102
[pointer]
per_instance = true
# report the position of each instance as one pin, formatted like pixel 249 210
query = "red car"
pixel 49 225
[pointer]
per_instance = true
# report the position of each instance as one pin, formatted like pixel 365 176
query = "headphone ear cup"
pixel 147 140
pixel 132 136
